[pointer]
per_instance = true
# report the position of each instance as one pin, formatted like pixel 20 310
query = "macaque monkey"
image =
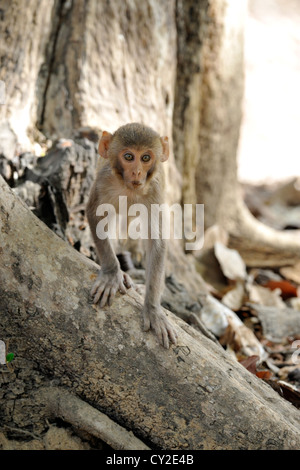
pixel 131 167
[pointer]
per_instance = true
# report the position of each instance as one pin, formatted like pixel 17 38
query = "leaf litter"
pixel 255 313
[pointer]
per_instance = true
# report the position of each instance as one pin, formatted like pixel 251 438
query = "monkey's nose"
pixel 136 173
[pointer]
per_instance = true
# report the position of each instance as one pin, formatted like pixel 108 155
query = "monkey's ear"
pixel 104 144
pixel 165 146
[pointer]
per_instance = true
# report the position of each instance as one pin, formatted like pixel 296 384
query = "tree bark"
pixel 206 126
pixel 26 39
pixel 207 107
pixel 260 245
pixel 176 65
pixel 103 64
pixel 192 396
pixel 96 64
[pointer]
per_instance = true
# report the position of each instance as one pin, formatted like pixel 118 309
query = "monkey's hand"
pixel 108 283
pixel 154 318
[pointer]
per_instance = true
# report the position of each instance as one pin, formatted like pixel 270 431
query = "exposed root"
pixel 260 245
pixel 80 414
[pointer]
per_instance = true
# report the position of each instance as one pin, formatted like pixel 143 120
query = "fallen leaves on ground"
pixel 256 312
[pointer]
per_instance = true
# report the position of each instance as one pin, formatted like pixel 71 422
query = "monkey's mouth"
pixel 136 184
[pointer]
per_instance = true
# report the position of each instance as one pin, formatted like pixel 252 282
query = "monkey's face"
pixel 135 166
pixel 134 153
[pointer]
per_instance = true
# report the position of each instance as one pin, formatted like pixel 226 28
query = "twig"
pixel 22 431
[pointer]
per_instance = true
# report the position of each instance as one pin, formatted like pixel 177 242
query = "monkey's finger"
pixel 112 293
pixel 171 331
pixel 165 338
pixel 104 297
pixel 161 338
pixel 157 327
pixel 98 294
pixel 122 288
pixel 94 288
pixel 127 281
pixel 172 334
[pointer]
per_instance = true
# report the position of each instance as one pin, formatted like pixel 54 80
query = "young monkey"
pixel 131 167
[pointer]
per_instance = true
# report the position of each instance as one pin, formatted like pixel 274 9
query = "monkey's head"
pixel 135 151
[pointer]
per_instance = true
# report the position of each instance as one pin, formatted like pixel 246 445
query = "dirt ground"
pixel 54 439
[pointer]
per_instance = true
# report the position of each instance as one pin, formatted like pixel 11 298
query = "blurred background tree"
pixel 176 65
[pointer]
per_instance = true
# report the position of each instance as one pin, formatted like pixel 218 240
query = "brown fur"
pixel 141 182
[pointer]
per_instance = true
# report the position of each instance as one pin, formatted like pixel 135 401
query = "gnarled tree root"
pixel 260 245
pixel 62 404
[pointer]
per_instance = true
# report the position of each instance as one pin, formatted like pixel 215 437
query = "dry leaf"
pixel 263 296
pixel 263 374
pixel 287 289
pixel 292 272
pixel 290 393
pixel 285 371
pixel 278 323
pixel 241 339
pixel 224 323
pixel 250 365
pixel 231 263
pixel 294 303
pixel 213 314
pixel 233 299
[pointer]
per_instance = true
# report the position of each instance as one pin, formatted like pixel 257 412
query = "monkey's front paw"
pixel 154 318
pixel 107 284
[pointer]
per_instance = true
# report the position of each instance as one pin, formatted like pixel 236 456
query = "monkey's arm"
pixel 110 278
pixel 153 315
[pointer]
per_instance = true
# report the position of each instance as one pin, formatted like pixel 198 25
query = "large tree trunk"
pixel 106 63
pixel 113 62
pixel 207 110
pixel 97 64
pixel 25 30
pixel 192 396
pixel 207 120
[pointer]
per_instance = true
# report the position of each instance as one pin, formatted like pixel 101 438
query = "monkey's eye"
pixel 128 156
pixel 146 158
